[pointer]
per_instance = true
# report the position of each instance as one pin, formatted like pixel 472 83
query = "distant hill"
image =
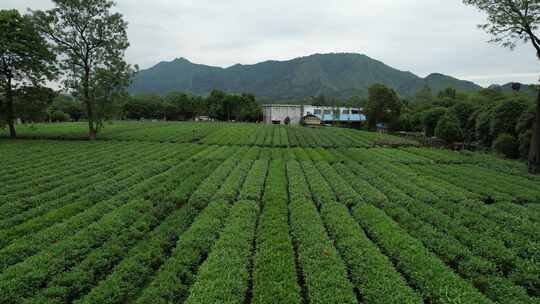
pixel 528 89
pixel 336 75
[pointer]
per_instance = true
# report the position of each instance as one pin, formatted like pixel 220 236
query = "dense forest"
pixel 489 118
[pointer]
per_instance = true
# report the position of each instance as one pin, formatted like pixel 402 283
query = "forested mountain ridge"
pixel 336 75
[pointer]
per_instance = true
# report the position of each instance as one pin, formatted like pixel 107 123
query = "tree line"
pixel 489 118
pixel 32 105
pixel 181 106
pixel 510 124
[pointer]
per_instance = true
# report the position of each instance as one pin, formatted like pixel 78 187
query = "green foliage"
pixel 464 111
pixel 510 22
pixel 324 271
pixel 25 55
pixel 181 106
pixel 431 118
pixel 448 129
pixel 144 107
pixel 274 248
pixel 253 187
pixel 507 145
pixel 59 116
pixel 483 126
pixel 370 271
pixel 176 275
pixel 315 75
pixel 91 40
pixel 31 103
pixel 415 260
pixel 448 93
pixel 524 130
pixel 143 221
pixel 506 116
pixel 69 105
pixel 383 106
pixel 25 58
pixel 230 255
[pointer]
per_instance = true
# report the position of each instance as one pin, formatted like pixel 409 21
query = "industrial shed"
pixel 295 114
pixel 278 114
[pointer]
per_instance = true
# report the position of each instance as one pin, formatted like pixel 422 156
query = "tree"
pixel 424 95
pixel 431 119
pixel 69 105
pixel 215 103
pixel 524 129
pixel 249 110
pixel 383 106
pixel 464 111
pixel 179 106
pixel 448 129
pixel 448 93
pixel 144 106
pixel 507 145
pixel 509 22
pixel 92 41
pixel 31 103
pixel 25 58
pixel 506 115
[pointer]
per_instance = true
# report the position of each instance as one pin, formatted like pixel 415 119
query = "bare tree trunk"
pixel 10 116
pixel 534 153
pixel 92 132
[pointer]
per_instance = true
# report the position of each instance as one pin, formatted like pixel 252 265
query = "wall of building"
pixel 274 113
pixel 326 113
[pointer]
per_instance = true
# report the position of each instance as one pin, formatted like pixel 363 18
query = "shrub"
pixel 431 118
pixel 224 276
pixel 507 145
pixel 448 129
pixel 59 116
pixel 506 116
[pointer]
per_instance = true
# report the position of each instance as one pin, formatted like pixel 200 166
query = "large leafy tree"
pixel 92 41
pixel 25 59
pixel 31 103
pixel 384 106
pixel 509 22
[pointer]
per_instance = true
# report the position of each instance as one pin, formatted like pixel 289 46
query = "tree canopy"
pixel 509 22
pixel 92 40
pixel 383 106
pixel 25 58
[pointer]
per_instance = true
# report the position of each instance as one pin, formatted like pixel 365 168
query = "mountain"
pixel 528 89
pixel 438 82
pixel 337 75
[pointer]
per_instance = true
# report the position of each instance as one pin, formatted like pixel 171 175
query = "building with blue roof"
pixel 295 114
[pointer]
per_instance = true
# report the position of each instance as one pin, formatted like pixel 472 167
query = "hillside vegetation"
pixel 337 75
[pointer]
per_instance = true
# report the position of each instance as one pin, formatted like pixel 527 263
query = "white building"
pixel 278 114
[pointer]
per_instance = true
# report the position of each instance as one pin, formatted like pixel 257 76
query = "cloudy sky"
pixel 421 36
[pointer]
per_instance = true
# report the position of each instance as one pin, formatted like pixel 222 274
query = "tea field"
pixel 238 213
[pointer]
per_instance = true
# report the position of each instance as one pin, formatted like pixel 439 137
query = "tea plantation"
pixel 242 213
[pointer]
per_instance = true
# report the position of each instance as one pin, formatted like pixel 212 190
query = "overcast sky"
pixel 421 36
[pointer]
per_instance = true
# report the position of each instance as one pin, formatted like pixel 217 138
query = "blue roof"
pixel 342 117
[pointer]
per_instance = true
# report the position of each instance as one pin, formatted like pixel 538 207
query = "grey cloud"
pixel 421 36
